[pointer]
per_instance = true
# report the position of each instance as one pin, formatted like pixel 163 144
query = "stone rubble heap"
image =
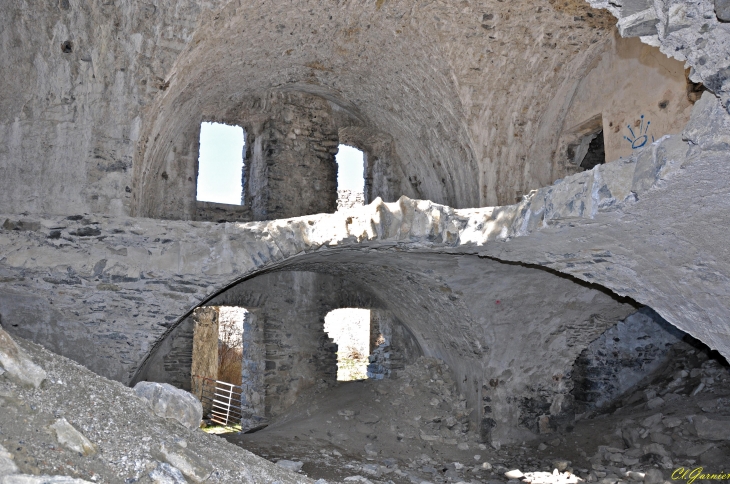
pixel 682 418
pixel 677 417
pixel 75 427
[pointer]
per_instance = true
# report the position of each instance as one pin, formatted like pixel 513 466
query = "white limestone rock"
pixel 17 365
pixel 639 24
pixel 26 479
pixel 166 474
pixel 710 136
pixel 7 464
pixel 71 438
pixel 189 463
pixel 170 402
pixel 653 476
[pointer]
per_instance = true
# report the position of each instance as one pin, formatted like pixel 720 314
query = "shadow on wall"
pixel 620 359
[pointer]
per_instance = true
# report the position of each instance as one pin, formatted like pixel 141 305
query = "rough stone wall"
pixel 400 347
pixel 291 307
pixel 132 91
pixel 205 347
pixel 78 78
pixel 173 361
pixel 384 176
pixel 425 75
pixel 253 382
pixel 620 358
pixel 290 167
pixel 221 212
pixel 630 226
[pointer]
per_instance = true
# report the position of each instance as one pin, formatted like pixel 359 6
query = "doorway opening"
pixel 220 164
pixel 217 365
pixel 350 177
pixel 350 328
pixel 230 343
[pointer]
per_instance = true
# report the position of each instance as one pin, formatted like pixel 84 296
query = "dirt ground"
pixel 415 429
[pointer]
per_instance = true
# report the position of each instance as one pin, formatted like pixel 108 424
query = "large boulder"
pixel 16 365
pixel 170 402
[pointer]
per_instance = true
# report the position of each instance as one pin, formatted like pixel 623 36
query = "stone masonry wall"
pixel 119 284
pixel 291 307
pixel 290 167
pixel 399 349
pixel 620 358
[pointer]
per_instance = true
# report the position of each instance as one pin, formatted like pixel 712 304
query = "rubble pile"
pixel 60 423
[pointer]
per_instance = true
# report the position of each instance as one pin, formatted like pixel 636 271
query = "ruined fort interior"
pixel 530 281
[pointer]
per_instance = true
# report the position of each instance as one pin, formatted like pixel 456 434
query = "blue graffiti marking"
pixel 642 138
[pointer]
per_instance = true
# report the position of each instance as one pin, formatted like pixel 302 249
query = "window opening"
pixel 220 164
pixel 350 177
pixel 595 153
pixel 350 329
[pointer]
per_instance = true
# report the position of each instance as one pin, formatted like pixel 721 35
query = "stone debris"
pixel 16 365
pixel 632 440
pixel 71 438
pixel 27 479
pixel 170 402
pixel 166 474
pixel 45 432
pixel 189 463
pixel 7 465
pixel 10 474
pixel 290 465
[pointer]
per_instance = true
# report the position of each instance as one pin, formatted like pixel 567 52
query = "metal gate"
pixel 221 400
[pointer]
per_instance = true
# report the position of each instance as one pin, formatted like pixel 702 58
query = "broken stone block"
pixel 26 479
pixel 17 365
pixel 71 438
pixel 711 135
pixel 722 10
pixel 164 473
pixel 170 402
pixel 7 465
pixel 639 24
pixel 655 403
pixel 186 461
pixel 712 429
pixel 290 465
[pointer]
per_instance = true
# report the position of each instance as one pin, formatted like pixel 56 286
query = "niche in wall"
pixel 587 150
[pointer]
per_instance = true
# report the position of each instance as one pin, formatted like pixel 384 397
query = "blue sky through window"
pixel 350 169
pixel 220 163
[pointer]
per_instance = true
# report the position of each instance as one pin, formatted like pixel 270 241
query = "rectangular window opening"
pixel 220 164
pixel 350 177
